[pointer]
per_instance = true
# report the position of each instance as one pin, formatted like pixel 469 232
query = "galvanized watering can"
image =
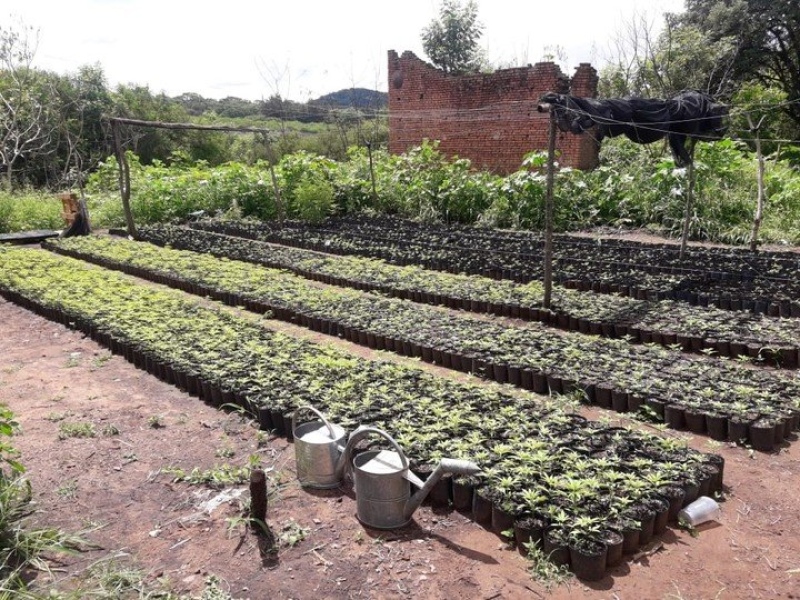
pixel 380 477
pixel 318 447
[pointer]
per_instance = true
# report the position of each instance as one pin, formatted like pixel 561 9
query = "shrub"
pixel 27 210
pixel 313 200
pixel 634 186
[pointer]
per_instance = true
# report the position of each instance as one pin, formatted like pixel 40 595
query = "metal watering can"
pixel 381 477
pixel 318 447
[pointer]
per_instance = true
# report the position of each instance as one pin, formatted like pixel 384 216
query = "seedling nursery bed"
pixel 724 399
pixel 696 329
pixel 731 279
pixel 583 492
pixel 580 489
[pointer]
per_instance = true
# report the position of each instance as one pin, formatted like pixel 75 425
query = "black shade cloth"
pixel 688 116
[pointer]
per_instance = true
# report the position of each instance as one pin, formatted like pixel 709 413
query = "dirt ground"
pixel 111 485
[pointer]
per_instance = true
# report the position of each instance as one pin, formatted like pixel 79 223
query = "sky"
pixel 299 49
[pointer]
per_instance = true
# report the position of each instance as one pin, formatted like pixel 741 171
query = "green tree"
pixel 757 106
pixel 767 44
pixel 83 101
pixel 451 41
pixel 682 56
pixel 138 102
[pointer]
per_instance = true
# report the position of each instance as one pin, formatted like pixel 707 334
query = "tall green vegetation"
pixel 29 209
pixel 763 38
pixel 635 186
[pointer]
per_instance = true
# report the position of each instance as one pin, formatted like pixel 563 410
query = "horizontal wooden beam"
pixel 187 126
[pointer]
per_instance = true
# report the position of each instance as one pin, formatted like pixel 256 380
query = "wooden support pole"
pixel 687 216
pixel 258 497
pixel 272 159
pixel 759 214
pixel 187 126
pixel 548 212
pixel 125 171
pixel 372 173
pixel 278 198
pixel 124 176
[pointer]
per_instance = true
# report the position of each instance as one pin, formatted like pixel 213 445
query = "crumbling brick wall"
pixel 489 118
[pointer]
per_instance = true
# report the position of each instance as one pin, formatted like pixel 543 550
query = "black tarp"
pixel 689 116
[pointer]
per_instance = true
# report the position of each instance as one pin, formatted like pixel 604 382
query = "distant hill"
pixel 360 98
pixel 276 107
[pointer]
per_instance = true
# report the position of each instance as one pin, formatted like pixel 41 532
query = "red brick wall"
pixel 490 119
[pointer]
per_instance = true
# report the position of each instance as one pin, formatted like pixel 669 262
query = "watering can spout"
pixel 446 466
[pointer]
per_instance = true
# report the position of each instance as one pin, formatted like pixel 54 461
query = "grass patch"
pixel 217 477
pixel 545 572
pixel 28 209
pixel 75 430
pixel 55 417
pixel 112 578
pixel 101 359
pixel 22 549
pixel 67 490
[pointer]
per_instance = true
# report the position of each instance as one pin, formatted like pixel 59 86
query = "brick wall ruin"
pixel 489 118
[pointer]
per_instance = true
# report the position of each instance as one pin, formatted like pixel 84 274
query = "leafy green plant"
pixel 23 548
pixel 313 200
pixel 291 533
pixel 110 430
pixel 155 422
pixel 68 430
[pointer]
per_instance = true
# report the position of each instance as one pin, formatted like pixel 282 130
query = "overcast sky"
pixel 299 48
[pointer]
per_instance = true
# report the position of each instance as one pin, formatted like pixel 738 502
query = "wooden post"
pixel 372 172
pixel 124 177
pixel 271 159
pixel 278 198
pixel 124 168
pixel 687 217
pixel 759 214
pixel 258 497
pixel 548 212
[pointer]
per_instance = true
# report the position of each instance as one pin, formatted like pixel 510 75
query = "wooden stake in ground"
pixel 687 216
pixel 548 212
pixel 272 159
pixel 258 497
pixel 372 172
pixel 759 214
pixel 124 176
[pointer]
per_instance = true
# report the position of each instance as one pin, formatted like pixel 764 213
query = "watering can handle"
pixel 362 432
pixel 316 412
